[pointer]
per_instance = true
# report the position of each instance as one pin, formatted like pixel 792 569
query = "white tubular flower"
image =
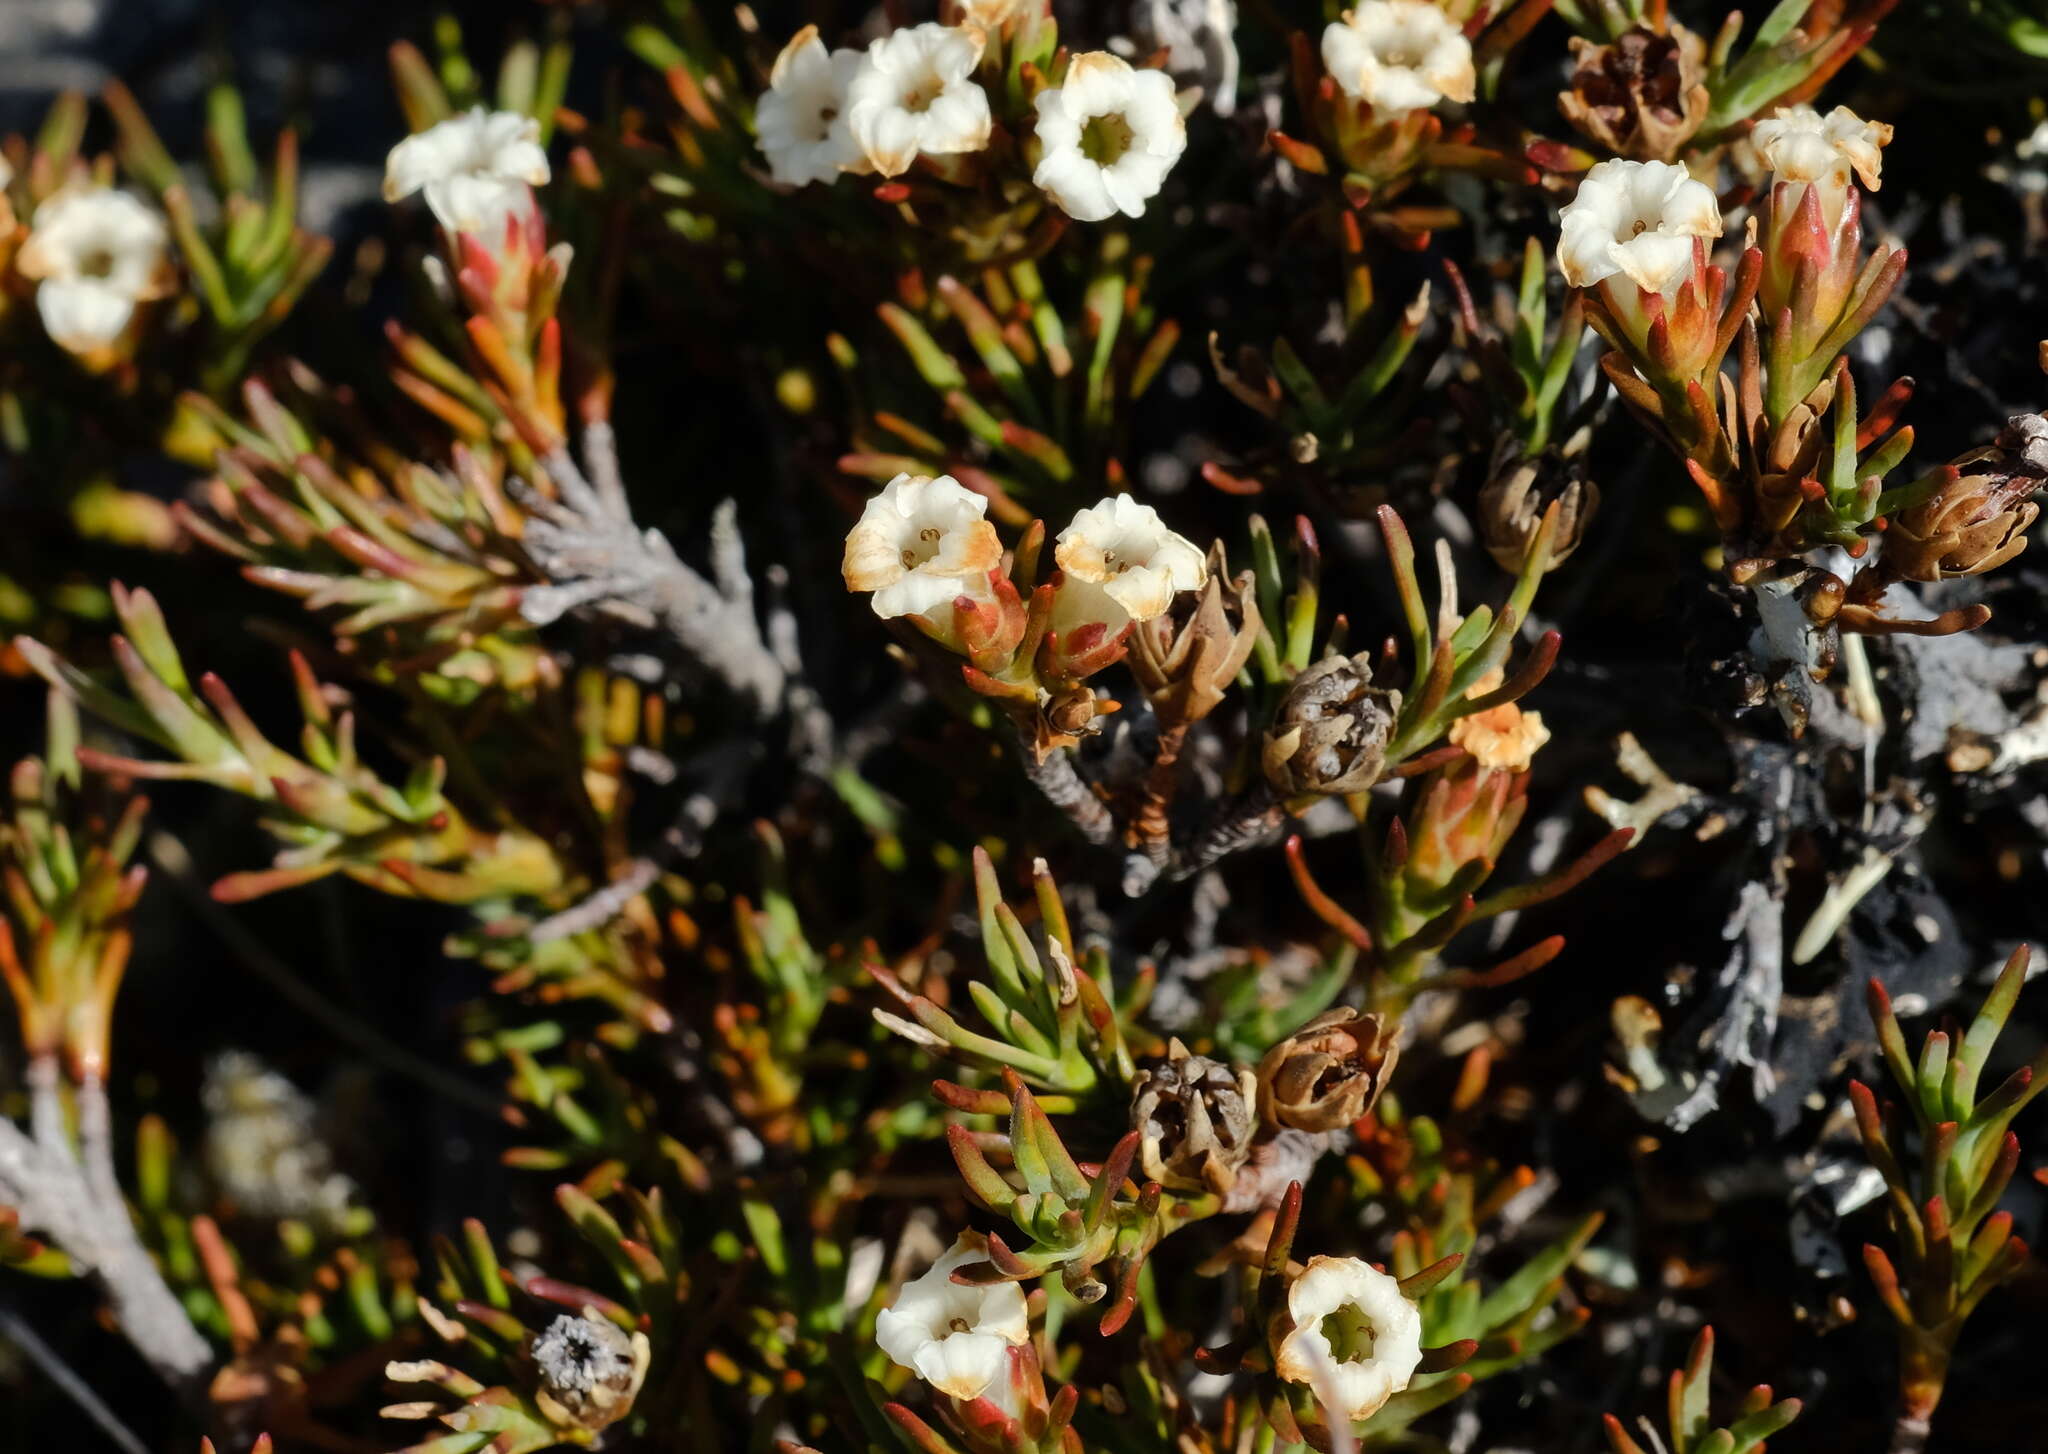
pixel 95 254
pixel 1110 133
pixel 955 1337
pixel 1122 564
pixel 1637 219
pixel 919 544
pixel 1355 1336
pixel 1399 55
pixel 915 94
pixel 477 169
pixel 801 118
pixel 1801 146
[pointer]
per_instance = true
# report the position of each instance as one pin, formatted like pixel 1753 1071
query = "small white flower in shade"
pixel 956 1337
pixel 95 254
pixel 1356 1340
pixel 1802 146
pixel 990 14
pixel 1399 55
pixel 920 544
pixel 1110 134
pixel 1123 549
pixel 477 169
pixel 1637 219
pixel 801 118
pixel 915 94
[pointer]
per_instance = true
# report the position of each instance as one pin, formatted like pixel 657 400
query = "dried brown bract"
pixel 1189 657
pixel 1518 491
pixel 1328 1073
pixel 1977 520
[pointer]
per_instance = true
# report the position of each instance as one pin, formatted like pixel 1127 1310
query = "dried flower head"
pixel 1331 732
pixel 1354 1338
pixel 1195 1118
pixel 1519 490
pixel 477 170
pixel 589 1370
pixel 1121 564
pixel 1638 220
pixel 96 254
pixel 1109 133
pixel 1399 55
pixel 1979 519
pixel 1503 738
pixel 263 1145
pixel 801 118
pixel 1643 96
pixel 955 1336
pixel 1328 1073
pixel 915 94
pixel 919 544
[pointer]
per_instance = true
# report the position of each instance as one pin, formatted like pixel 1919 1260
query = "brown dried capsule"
pixel 1195 1119
pixel 1331 732
pixel 1644 96
pixel 1328 1073
pixel 1979 519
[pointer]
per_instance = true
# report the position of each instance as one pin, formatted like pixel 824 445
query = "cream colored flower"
pixel 1110 134
pixel 1356 1339
pixel 1801 146
pixel 477 169
pixel 1122 564
pixel 1636 219
pixel 1504 738
pixel 1399 55
pixel 915 93
pixel 95 254
pixel 954 1336
pixel 920 544
pixel 801 118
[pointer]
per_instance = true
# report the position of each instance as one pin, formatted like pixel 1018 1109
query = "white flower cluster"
pixel 923 543
pixel 1804 148
pixel 95 255
pixel 1399 56
pixel 478 171
pixel 1107 134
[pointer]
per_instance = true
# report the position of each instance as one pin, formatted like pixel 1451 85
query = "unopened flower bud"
pixel 1326 1074
pixel 589 1370
pixel 1979 519
pixel 1519 490
pixel 1641 97
pixel 1187 658
pixel 1331 732
pixel 1195 1118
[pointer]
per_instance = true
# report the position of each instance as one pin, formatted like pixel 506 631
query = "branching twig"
pixel 70 1196
pixel 594 556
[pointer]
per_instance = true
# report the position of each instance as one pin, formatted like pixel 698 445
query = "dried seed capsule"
pixel 1194 1116
pixel 1519 490
pixel 589 1370
pixel 1331 732
pixel 1979 519
pixel 1326 1074
pixel 1642 97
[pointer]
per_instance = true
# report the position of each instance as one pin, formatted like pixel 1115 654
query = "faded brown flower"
pixel 1642 97
pixel 1519 490
pixel 1328 1073
pixel 1195 1118
pixel 1331 732
pixel 1978 520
